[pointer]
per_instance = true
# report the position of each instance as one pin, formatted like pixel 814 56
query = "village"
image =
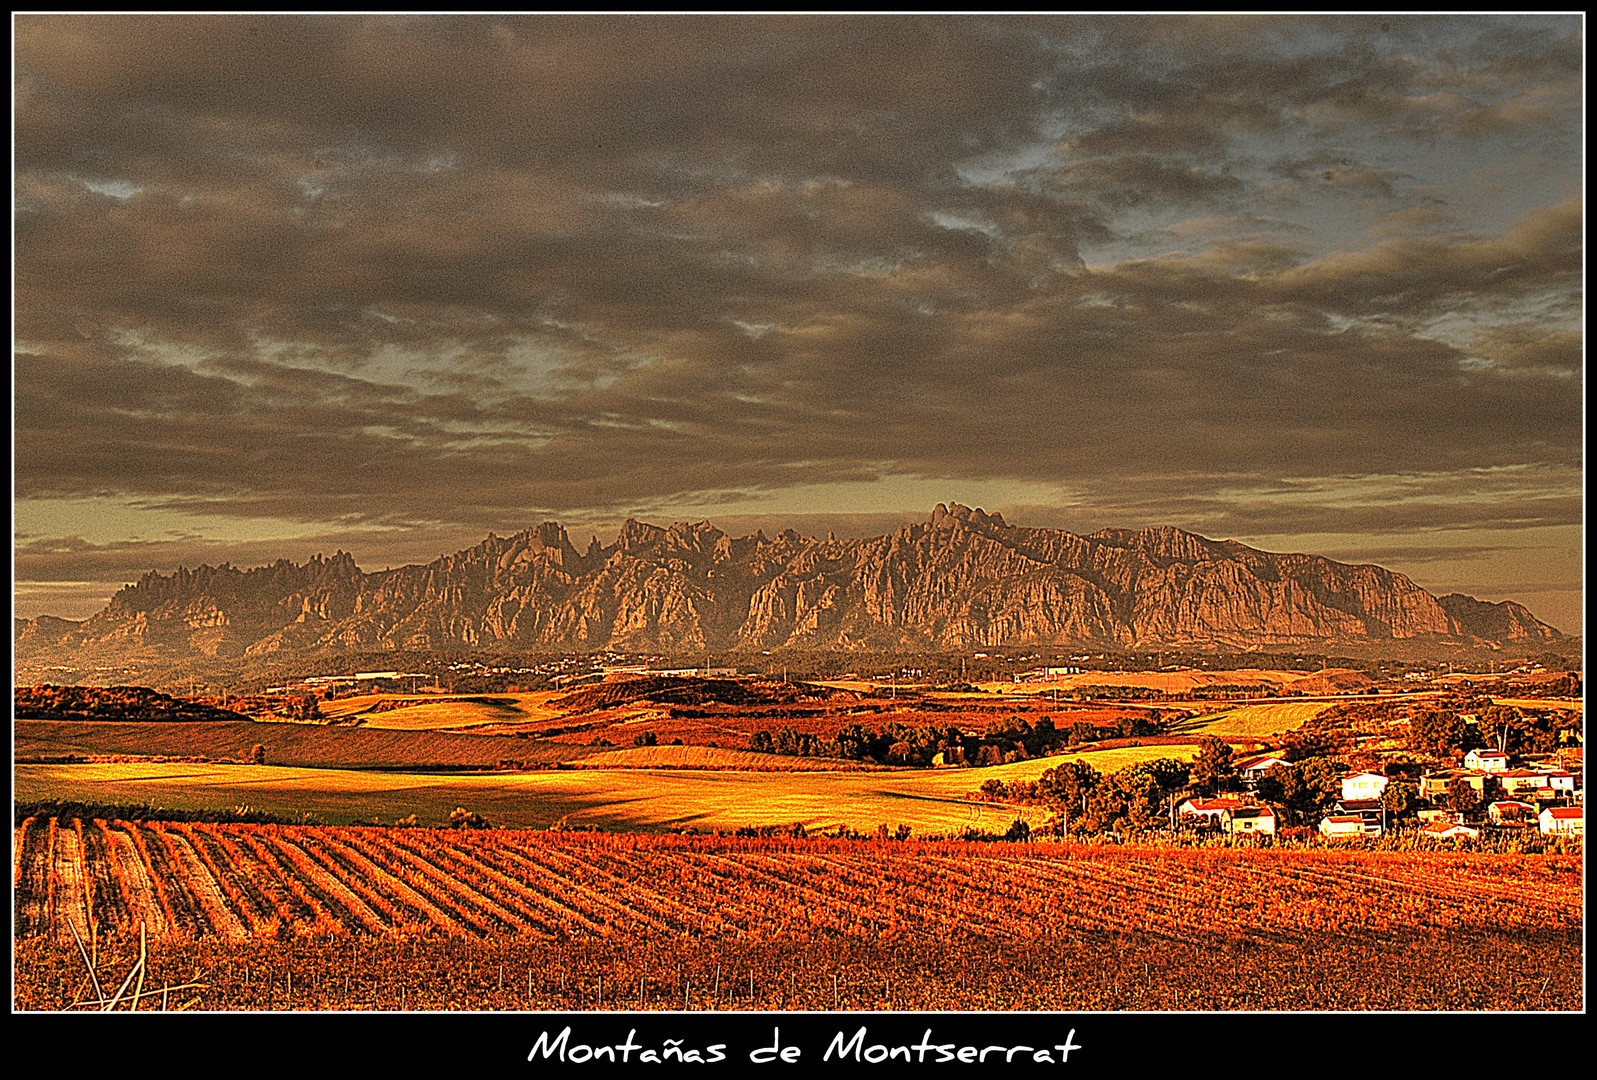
pixel 1492 791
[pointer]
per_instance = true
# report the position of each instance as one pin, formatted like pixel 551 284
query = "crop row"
pixel 191 882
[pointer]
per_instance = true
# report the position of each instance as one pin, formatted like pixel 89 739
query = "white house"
pixel 1563 821
pixel 1250 819
pixel 1364 785
pixel 1448 830
pixel 1252 769
pixel 1486 761
pixel 1555 782
pixel 1562 783
pixel 1435 785
pixel 1342 825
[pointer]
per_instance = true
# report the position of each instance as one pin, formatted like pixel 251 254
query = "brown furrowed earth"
pixel 304 745
pixel 487 919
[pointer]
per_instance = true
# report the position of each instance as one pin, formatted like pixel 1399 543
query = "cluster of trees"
pixel 1314 742
pixel 1118 693
pixel 894 744
pixel 1568 685
pixel 1303 790
pixel 1004 740
pixel 121 703
pixel 1443 732
pixel 1535 731
pixel 1134 798
pixel 304 708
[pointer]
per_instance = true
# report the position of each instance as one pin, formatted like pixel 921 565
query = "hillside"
pixel 961 579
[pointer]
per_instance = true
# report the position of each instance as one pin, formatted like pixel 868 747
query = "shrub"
pixel 461 818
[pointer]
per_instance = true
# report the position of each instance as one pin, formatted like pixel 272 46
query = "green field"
pixel 930 803
pixel 1252 721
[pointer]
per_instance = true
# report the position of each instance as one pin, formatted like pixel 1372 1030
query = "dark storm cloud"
pixel 458 273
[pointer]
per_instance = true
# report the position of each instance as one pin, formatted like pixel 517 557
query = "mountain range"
pixel 962 578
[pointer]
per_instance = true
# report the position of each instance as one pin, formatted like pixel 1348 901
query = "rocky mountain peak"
pixel 691 585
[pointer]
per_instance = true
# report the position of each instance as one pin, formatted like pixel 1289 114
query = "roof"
pixel 1207 806
pixel 1442 828
pixel 1253 812
pixel 1344 819
pixel 1564 813
pixel 1362 775
pixel 1357 805
pixel 1267 759
pixel 1504 803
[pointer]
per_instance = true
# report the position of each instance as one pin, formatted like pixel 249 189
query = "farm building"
pixel 1563 821
pixel 1448 830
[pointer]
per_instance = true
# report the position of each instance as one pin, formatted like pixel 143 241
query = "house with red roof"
pixel 1211 811
pixel 1563 821
pixel 1511 812
pixel 1555 782
pixel 1448 830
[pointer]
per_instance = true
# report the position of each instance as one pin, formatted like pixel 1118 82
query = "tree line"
pixel 1005 740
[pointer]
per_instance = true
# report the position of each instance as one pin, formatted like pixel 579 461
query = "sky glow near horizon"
pixel 292 284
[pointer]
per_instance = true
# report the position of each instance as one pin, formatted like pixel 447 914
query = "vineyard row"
pixel 191 882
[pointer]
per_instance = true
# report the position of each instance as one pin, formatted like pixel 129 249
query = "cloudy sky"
pixel 291 284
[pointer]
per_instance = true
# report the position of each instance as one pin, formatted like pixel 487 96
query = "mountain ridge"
pixel 960 579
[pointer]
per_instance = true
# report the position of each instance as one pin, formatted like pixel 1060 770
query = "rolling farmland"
pixel 221 892
pixel 649 800
pixel 1253 721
